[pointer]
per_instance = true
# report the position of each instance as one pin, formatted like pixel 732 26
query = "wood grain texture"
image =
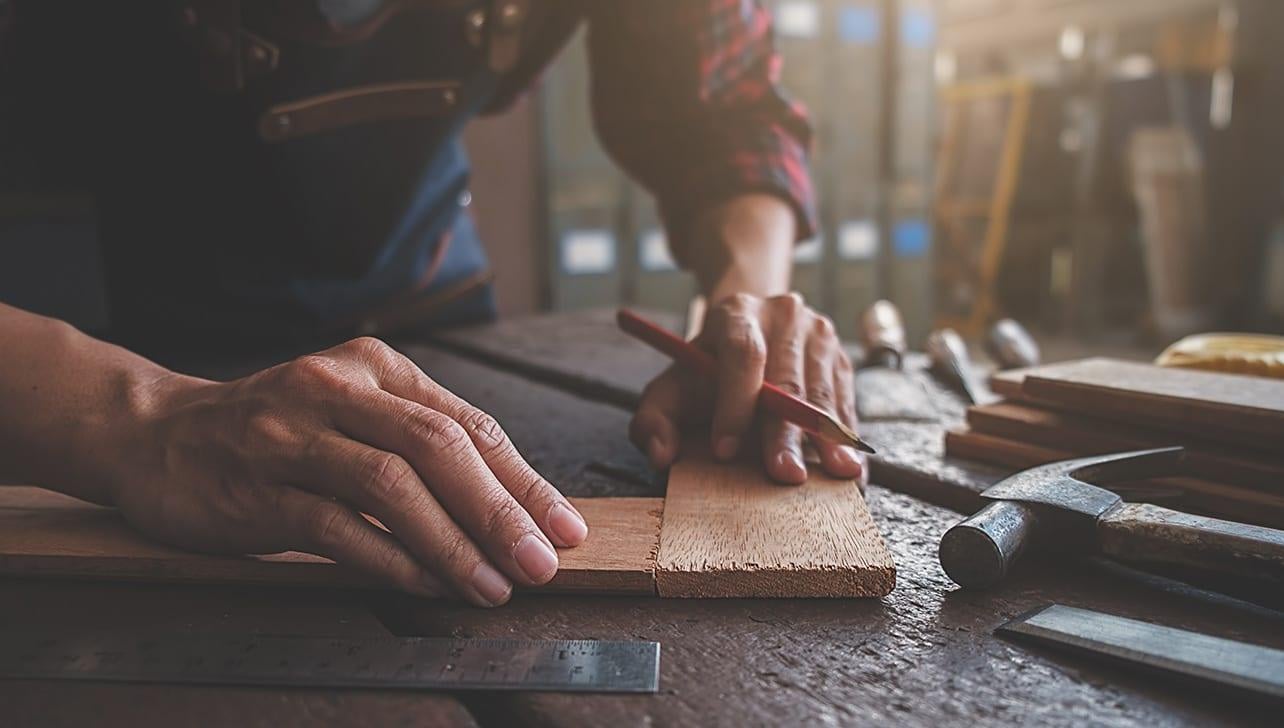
pixel 1232 408
pixel 1143 531
pixel 729 532
pixel 49 534
pixel 1194 494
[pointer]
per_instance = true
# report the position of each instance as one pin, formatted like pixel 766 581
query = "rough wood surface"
pixel 43 533
pixel 1193 494
pixel 1233 408
pixel 583 351
pixel 730 532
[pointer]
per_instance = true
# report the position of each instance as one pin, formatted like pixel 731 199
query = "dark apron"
pixel 231 210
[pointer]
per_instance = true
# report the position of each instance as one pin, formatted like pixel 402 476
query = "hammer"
pixel 1062 505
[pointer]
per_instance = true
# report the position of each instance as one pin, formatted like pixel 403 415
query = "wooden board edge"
pixel 1202 496
pixel 1254 428
pixel 157 563
pixel 869 582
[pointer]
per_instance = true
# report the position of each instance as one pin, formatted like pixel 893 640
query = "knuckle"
pixel 820 393
pixel 789 304
pixel 269 428
pixel 313 372
pixel 823 327
pixel 502 514
pixel 744 340
pixel 533 490
pixel 369 347
pixel 791 386
pixel 485 431
pixel 440 432
pixel 738 302
pixel 388 478
pixel 327 524
pixel 456 555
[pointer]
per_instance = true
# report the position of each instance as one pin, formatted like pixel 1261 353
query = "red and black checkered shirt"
pixel 686 97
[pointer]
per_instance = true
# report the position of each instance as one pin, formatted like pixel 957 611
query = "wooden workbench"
pixel 561 386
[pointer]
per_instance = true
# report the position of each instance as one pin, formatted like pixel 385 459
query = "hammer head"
pixel 1062 501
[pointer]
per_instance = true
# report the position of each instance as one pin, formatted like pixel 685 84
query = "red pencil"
pixel 771 399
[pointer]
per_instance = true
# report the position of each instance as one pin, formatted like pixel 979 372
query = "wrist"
pixel 744 246
pixel 129 441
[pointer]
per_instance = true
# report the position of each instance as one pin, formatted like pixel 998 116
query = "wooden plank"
pixel 43 533
pixel 1007 383
pixel 1233 408
pixel 1091 436
pixel 729 532
pixel 1197 495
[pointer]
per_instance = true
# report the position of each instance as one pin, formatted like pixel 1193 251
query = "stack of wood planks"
pixel 1232 426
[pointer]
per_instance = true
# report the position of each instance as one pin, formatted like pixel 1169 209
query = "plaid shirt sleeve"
pixel 686 98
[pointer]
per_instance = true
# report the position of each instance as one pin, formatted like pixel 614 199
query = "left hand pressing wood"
pixel 779 339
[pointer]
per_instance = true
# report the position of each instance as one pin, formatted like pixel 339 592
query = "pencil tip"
pixel 845 433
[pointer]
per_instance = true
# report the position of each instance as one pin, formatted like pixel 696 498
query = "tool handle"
pixel 882 332
pixel 978 552
pixel 1011 345
pixel 950 360
pixel 1141 532
pixel 771 398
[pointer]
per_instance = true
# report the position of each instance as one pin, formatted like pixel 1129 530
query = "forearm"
pixel 744 246
pixel 69 402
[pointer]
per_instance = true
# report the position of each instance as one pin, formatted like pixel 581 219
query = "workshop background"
pixel 1103 171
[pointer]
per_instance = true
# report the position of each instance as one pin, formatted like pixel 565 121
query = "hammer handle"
pixel 1141 532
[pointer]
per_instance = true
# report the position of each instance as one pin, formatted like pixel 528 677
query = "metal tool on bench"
pixel 951 362
pixel 415 663
pixel 1059 505
pixel 886 388
pixel 1011 346
pixel 1189 654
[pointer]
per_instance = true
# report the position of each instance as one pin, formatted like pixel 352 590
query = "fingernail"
pixel 793 466
pixel 727 447
pixel 536 558
pixel 491 585
pixel 847 456
pixel 567 525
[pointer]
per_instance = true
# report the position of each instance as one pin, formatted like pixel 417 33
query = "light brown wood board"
pixel 43 533
pixel 730 532
pixel 1196 495
pixel 1093 436
pixel 1239 410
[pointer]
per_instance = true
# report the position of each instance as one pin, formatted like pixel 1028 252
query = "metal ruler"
pixel 394 662
pixel 1227 662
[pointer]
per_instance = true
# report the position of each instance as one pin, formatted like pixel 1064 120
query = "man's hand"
pixel 290 458
pixel 780 340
